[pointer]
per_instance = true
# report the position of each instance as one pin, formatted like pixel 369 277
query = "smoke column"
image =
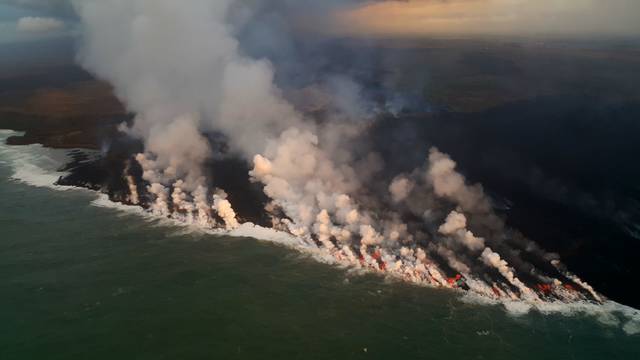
pixel 182 69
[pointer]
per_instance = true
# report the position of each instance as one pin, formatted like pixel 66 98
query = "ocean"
pixel 81 278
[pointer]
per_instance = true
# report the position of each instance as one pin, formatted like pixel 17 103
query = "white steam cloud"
pixel 182 70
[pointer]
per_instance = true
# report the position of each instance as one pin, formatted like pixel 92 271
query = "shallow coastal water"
pixel 84 281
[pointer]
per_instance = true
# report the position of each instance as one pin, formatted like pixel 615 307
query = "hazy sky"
pixel 465 18
pixel 19 21
pixel 565 18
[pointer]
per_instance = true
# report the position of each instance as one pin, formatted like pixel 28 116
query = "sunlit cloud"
pixel 492 17
pixel 31 24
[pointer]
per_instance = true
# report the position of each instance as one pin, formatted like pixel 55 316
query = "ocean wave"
pixel 245 230
pixel 609 313
pixel 33 164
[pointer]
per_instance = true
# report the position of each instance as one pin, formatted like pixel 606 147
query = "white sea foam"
pixel 33 164
pixel 244 230
pixel 609 313
pixel 262 233
pixel 103 201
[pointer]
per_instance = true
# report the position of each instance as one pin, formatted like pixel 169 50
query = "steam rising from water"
pixel 36 165
pixel 182 70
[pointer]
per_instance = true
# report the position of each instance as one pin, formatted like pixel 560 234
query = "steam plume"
pixel 184 71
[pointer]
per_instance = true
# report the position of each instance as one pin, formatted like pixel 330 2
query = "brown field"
pixel 59 107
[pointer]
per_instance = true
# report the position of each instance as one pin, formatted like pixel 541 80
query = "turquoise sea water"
pixel 80 281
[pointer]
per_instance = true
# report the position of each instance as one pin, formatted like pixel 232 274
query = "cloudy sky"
pixel 564 18
pixel 27 20
pixel 32 19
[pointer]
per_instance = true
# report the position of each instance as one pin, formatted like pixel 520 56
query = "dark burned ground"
pixel 565 169
pixel 224 171
pixel 550 131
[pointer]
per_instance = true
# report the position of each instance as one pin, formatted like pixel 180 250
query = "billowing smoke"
pixel 450 184
pixel 134 198
pixel 224 210
pixel 188 70
pixel 492 258
pixel 400 188
pixel 180 70
pixel 161 205
pixel 456 226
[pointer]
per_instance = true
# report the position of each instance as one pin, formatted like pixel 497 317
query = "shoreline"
pixel 609 313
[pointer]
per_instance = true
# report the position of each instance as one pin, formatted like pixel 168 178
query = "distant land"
pixel 55 102
pixel 59 104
